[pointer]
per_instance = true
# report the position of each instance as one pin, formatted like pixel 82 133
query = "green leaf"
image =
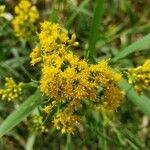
pixel 136 46
pixel 25 109
pixel 141 101
pixel 93 35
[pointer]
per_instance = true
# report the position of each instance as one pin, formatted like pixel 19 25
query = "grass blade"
pixel 93 35
pixel 136 46
pixel 13 119
pixel 30 142
pixel 142 102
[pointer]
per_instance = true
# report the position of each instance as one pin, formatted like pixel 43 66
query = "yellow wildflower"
pixel 66 122
pixel 112 97
pixel 52 37
pixel 67 80
pixel 26 16
pixel 102 77
pixel 12 91
pixel 49 107
pixel 35 55
pixel 37 124
pixel 140 77
pixel 54 44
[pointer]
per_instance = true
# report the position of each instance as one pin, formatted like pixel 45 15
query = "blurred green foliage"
pixel 123 22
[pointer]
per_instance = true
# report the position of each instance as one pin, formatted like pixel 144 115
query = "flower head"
pixel 68 80
pixel 11 91
pixel 65 122
pixel 26 16
pixel 140 77
pixel 37 124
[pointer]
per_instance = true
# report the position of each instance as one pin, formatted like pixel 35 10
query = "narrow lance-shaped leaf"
pixel 15 117
pixel 136 46
pixel 142 102
pixel 93 35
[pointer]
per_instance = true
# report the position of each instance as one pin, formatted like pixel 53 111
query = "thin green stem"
pixel 49 116
pixel 30 142
pixel 68 144
pixel 30 85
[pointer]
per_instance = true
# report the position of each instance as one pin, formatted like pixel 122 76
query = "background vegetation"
pixel 119 24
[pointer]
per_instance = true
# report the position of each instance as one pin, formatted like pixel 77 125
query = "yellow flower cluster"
pixel 140 77
pixel 65 122
pixel 36 124
pixel 12 91
pixel 54 41
pixel 26 16
pixel 68 81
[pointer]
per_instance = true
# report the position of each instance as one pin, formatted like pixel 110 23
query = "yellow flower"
pixel 33 14
pixel 112 97
pixel 140 77
pixel 36 124
pixel 105 79
pixel 35 56
pixel 12 91
pixel 67 80
pixel 49 107
pixel 26 16
pixel 66 122
pixel 102 75
pixel 54 44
